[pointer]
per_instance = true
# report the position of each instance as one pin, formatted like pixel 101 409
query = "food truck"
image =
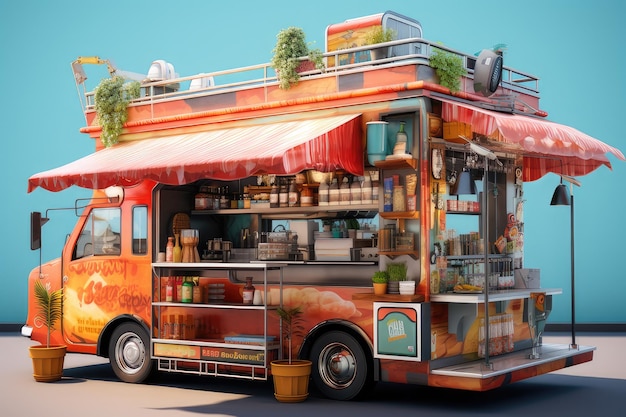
pixel 225 200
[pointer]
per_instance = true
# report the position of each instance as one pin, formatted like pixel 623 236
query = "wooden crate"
pixel 452 130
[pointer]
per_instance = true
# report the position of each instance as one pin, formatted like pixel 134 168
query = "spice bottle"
pixel 274 196
pixel 283 195
pixel 294 196
pixel 248 291
pixel 356 196
pixel 169 250
pixel 322 194
pixel 366 190
pixel 333 193
pixel 169 290
pixel 344 192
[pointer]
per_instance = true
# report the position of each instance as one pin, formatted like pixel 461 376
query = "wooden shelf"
pixel 399 214
pixel 413 253
pixel 399 298
pixel 410 163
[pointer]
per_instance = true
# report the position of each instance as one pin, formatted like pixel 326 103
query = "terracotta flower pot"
pixel 380 288
pixel 47 362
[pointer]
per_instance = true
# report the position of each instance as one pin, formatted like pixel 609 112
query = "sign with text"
pixel 397 332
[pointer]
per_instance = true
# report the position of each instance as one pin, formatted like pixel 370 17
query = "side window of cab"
pixel 100 235
pixel 140 230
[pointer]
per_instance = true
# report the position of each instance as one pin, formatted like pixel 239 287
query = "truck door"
pixel 99 275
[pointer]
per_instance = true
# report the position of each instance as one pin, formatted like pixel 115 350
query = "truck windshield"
pixel 100 235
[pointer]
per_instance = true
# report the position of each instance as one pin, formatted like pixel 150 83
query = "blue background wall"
pixel 574 47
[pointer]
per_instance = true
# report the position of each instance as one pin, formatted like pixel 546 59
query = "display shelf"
pixel 413 253
pixel 399 298
pixel 207 356
pixel 494 295
pixel 409 163
pixel 353 210
pixel 215 304
pixel 411 215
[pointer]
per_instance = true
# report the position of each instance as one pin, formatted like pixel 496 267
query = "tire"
pixel 129 353
pixel 341 369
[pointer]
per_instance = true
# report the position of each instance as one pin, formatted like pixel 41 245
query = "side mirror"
pixel 36 221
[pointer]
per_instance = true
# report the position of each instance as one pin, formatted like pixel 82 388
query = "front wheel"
pixel 129 353
pixel 341 370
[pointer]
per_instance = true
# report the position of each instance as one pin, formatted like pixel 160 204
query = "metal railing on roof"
pixel 263 75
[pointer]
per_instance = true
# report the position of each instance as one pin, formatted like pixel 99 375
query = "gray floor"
pixel 89 388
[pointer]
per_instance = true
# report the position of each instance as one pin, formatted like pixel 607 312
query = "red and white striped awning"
pixel 546 146
pixel 286 148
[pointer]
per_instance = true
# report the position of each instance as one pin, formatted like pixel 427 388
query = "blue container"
pixel 377 143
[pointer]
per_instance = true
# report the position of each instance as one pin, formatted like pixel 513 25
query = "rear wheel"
pixel 129 353
pixel 341 369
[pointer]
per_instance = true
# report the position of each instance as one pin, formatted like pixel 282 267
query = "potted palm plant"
pixel 47 359
pixel 379 281
pixel 291 376
pixel 287 60
pixel 378 34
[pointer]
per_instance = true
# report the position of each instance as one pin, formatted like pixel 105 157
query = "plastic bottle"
pixel 333 193
pixel 248 291
pixel 322 196
pixel 169 250
pixel 366 190
pixel 356 196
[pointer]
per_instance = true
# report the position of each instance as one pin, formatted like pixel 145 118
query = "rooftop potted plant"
pixel 378 34
pixel 291 376
pixel 449 68
pixel 47 359
pixel 287 60
pixel 111 97
pixel 379 281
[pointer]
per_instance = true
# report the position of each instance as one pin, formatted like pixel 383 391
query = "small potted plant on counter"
pixel 291 376
pixel 48 359
pixel 397 273
pixel 379 281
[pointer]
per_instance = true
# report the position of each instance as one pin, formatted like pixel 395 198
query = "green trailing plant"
pixel 448 67
pixel 379 35
pixel 396 271
pixel 290 47
pixel 291 324
pixel 112 96
pixel 380 277
pixel 49 307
